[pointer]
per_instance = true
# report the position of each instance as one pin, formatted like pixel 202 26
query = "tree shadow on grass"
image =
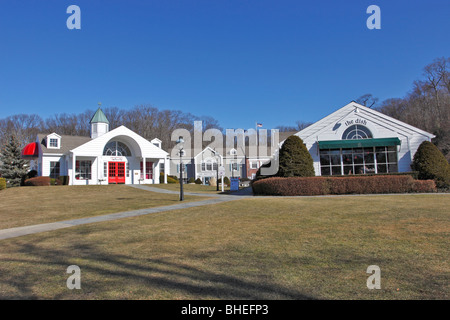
pixel 107 275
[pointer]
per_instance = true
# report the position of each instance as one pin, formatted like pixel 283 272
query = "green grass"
pixel 277 248
pixel 34 205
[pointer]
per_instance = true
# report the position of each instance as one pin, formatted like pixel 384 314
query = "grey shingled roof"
pixel 67 143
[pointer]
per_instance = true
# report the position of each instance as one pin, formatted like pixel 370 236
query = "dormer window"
pixel 53 141
pixel 156 142
pixel 233 152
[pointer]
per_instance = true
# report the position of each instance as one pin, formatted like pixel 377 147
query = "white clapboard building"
pixel 359 140
pixel 106 157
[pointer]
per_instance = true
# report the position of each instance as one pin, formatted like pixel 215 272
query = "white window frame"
pixel 52 138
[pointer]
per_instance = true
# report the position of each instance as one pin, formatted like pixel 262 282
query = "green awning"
pixel 359 143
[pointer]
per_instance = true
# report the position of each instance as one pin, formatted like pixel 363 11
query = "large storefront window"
pixel 83 169
pixel 358 161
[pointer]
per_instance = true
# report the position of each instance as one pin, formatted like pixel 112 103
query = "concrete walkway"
pixel 215 198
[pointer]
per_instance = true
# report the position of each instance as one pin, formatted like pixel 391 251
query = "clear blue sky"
pixel 240 61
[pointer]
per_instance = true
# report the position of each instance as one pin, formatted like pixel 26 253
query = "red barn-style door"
pixel 116 172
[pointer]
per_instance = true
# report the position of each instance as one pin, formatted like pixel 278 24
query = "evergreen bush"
pixel 13 166
pixel 295 159
pixel 431 164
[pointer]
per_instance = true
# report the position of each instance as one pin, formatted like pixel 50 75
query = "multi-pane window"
pixel 209 166
pixel 83 169
pixel 356 132
pixel 53 143
pixel 54 169
pixel 234 166
pixel 127 169
pixel 386 158
pixel 105 169
pixel 254 165
pixel 116 148
pixel 358 161
pixel 148 169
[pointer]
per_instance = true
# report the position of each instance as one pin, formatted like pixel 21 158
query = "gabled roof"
pixel 99 116
pixel 67 143
pixel 363 111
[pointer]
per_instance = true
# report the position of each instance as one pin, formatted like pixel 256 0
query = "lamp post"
pixel 217 170
pixel 180 146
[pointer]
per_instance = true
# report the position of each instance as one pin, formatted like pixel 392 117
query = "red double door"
pixel 116 172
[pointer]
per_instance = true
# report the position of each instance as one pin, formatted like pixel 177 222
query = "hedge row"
pixel 310 186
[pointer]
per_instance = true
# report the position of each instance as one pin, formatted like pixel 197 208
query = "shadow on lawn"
pixel 120 273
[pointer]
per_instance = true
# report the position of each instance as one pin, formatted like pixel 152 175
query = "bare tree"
pixel 367 100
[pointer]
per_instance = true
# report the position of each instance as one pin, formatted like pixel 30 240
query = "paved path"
pixel 215 198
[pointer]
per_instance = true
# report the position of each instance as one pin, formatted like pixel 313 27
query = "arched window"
pixel 356 132
pixel 116 148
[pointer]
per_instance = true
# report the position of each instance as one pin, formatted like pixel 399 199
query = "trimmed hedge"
pixel 2 183
pixel 198 181
pixel 310 186
pixel 42 181
pixel 424 186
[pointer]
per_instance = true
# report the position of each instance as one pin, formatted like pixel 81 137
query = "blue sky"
pixel 239 61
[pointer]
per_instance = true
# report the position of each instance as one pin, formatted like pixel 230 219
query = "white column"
pixel 73 169
pixel 165 170
pixel 144 169
pixel 154 172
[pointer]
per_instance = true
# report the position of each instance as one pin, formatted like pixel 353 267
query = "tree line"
pixel 426 105
pixel 146 120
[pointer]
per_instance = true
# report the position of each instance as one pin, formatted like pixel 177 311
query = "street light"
pixel 180 146
pixel 216 155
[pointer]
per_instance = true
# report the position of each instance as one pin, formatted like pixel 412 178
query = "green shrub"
pixel 310 186
pixel 431 164
pixel 198 181
pixel 295 159
pixel 226 181
pixel 171 180
pixel 2 183
pixel 191 180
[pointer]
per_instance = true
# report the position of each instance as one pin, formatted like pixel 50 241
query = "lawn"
pixel 190 187
pixel 35 205
pixel 258 248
